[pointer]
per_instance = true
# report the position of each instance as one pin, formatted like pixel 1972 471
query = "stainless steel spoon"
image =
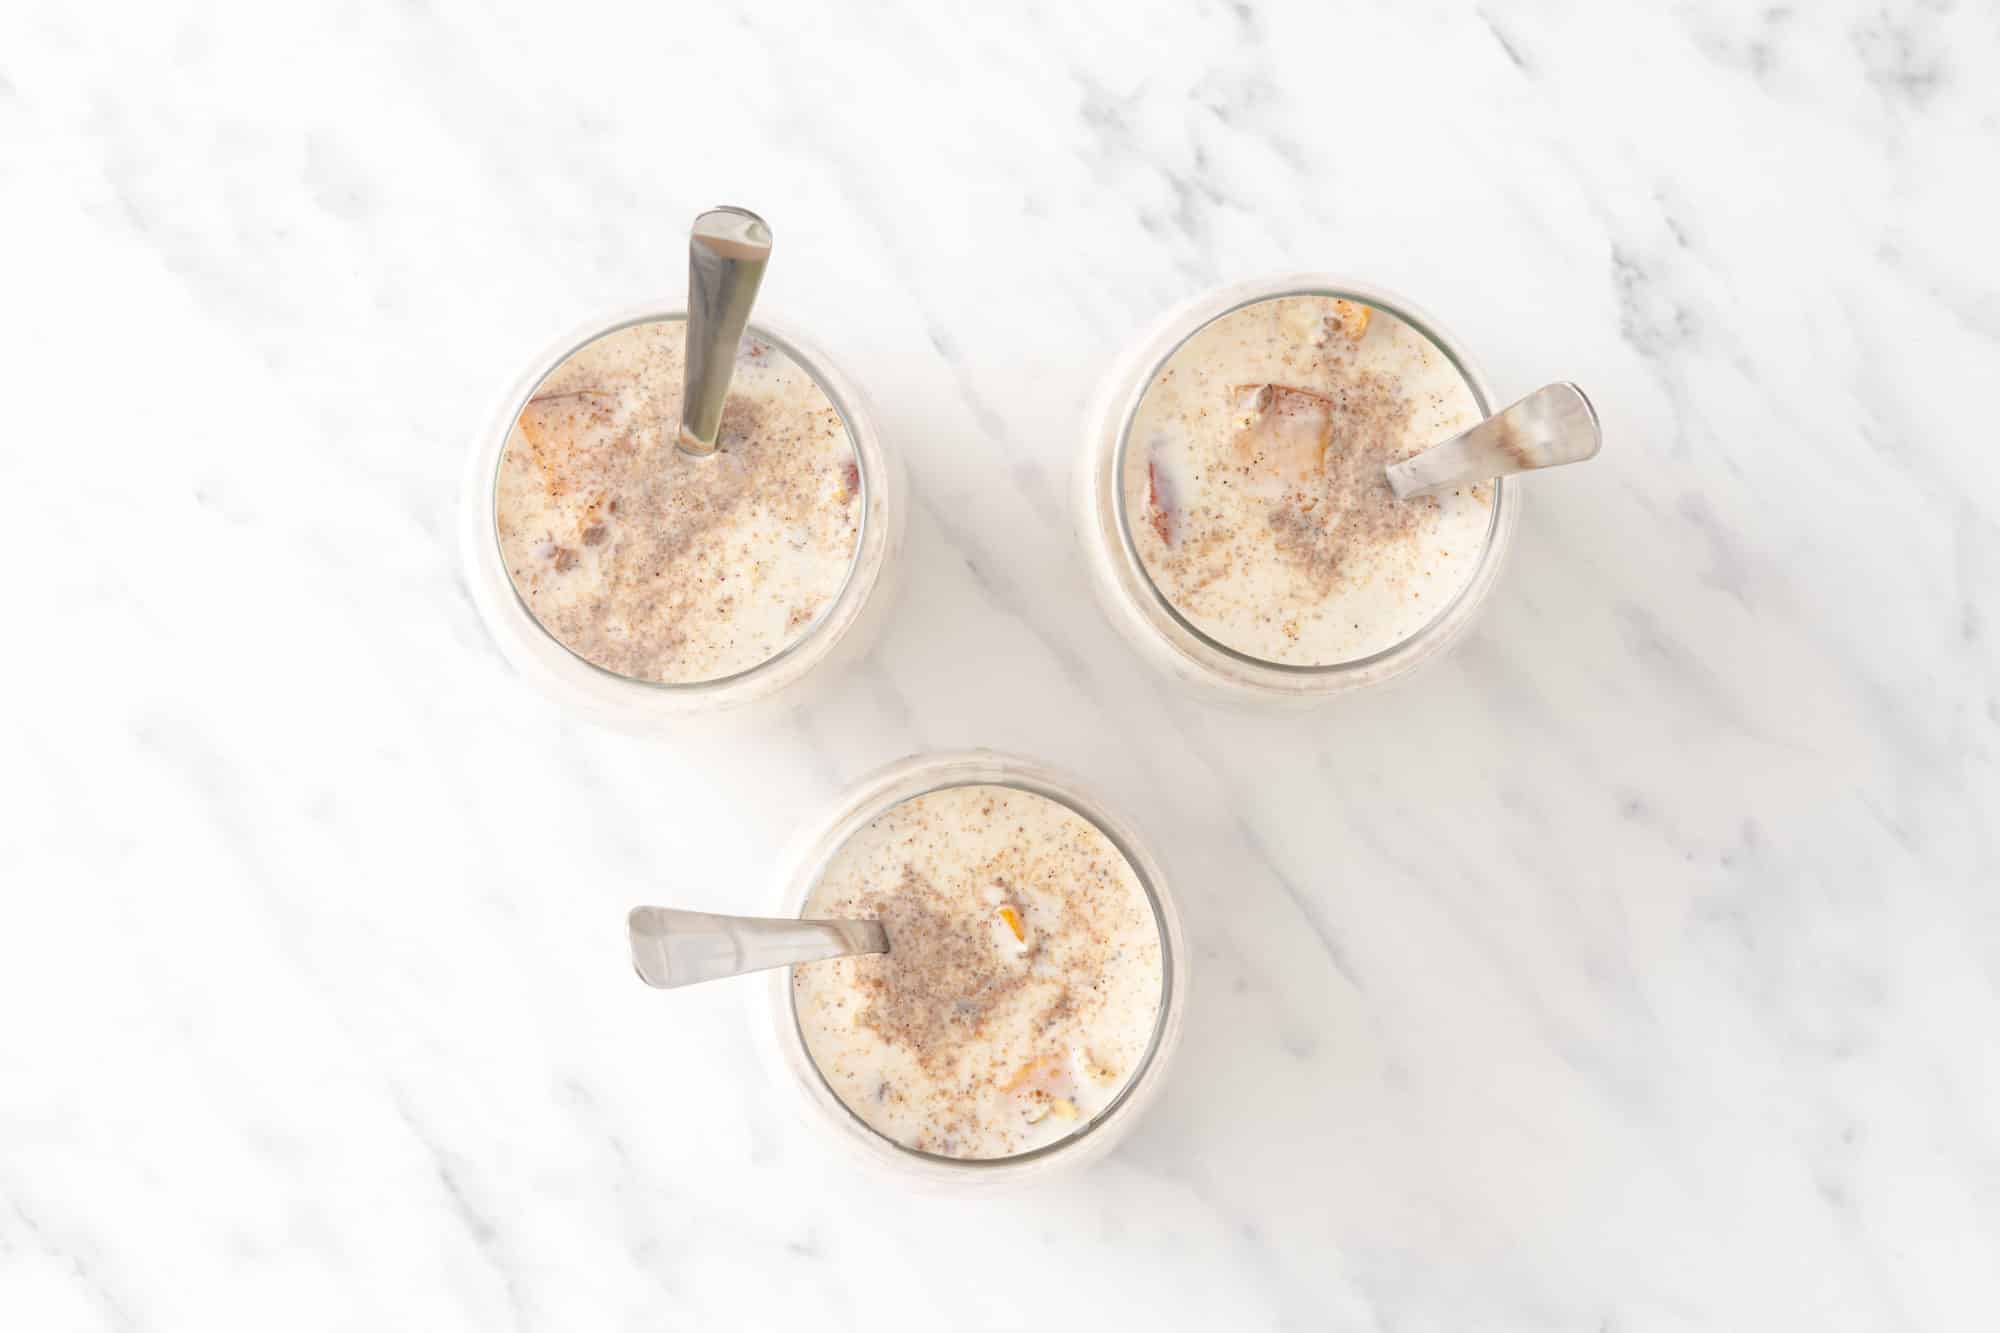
pixel 674 948
pixel 727 253
pixel 1552 426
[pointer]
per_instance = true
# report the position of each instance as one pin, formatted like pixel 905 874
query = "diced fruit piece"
pixel 1043 1086
pixel 1281 433
pixel 1013 920
pixel 1038 1068
pixel 849 484
pixel 561 428
pixel 1300 321
pixel 561 418
pixel 1094 1069
pixel 1159 503
pixel 1305 320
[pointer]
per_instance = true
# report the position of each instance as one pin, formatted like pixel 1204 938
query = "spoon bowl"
pixel 1552 426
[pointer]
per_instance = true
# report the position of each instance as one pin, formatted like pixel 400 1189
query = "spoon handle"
pixel 1551 426
pixel 675 948
pixel 727 254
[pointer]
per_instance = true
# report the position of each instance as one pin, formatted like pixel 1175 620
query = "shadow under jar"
pixel 1031 998
pixel 637 583
pixel 1231 500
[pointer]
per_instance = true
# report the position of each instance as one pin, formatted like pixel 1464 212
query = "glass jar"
pixel 786 1048
pixel 1126 589
pixel 840 634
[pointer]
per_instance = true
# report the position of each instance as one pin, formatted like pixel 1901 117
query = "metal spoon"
pixel 674 948
pixel 1551 426
pixel 727 252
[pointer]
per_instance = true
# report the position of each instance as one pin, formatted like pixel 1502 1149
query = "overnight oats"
pixel 637 577
pixel 1030 984
pixel 1235 504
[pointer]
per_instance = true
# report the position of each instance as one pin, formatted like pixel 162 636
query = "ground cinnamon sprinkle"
pixel 934 993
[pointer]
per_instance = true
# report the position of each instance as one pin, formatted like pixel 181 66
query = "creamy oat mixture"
pixel 1022 984
pixel 1253 481
pixel 663 567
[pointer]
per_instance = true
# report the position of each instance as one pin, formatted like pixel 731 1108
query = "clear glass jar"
pixel 1127 591
pixel 785 1045
pixel 842 632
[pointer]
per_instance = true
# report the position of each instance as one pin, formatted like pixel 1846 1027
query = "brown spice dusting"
pixel 1348 506
pixel 1323 455
pixel 932 991
pixel 1057 1010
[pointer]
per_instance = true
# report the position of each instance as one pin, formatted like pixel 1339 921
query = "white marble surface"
pixel 1636 968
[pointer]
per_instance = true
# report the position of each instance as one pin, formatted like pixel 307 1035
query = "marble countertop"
pixel 1637 967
